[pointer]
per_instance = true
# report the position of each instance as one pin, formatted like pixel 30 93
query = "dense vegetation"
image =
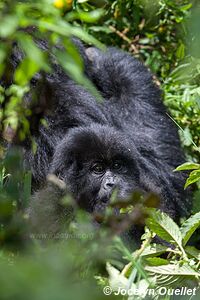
pixel 165 36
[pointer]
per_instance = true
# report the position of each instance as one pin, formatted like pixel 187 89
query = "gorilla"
pixel 126 142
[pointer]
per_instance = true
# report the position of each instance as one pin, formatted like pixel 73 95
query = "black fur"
pixel 130 125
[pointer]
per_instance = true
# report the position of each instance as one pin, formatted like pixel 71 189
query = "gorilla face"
pixel 94 162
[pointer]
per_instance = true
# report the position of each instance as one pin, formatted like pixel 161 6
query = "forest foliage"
pixel 165 35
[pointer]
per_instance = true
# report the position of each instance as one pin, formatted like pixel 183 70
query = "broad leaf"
pixel 156 261
pixel 189 227
pixel 164 227
pixel 153 250
pixel 119 282
pixel 187 166
pixel 25 71
pixel 32 51
pixel 116 280
pixel 88 17
pixel 65 29
pixel 172 269
pixel 9 25
pixel 75 72
pixel 171 275
pixel 193 177
pixel 192 251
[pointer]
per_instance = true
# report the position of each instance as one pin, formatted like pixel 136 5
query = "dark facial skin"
pixel 93 166
pixel 100 179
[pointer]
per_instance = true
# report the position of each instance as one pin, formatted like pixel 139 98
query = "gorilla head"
pixel 95 161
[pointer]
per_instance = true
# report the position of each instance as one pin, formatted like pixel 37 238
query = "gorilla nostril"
pixel 109 185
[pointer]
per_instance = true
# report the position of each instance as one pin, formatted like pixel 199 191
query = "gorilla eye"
pixel 117 165
pixel 98 168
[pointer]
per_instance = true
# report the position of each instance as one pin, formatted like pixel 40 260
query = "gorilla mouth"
pixel 115 195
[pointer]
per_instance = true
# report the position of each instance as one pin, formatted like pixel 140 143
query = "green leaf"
pixel 192 251
pixel 156 261
pixel 153 250
pixel 70 66
pixel 100 29
pixel 81 34
pixel 186 7
pixel 188 166
pixel 67 30
pixel 171 274
pixel 196 201
pixel 82 1
pixel 193 177
pixel 88 17
pixel 27 188
pixel 32 51
pixel 187 136
pixel 164 227
pixel 181 73
pixel 172 269
pixel 116 280
pixel 25 71
pixel 189 227
pixel 3 52
pixel 73 53
pixel 8 26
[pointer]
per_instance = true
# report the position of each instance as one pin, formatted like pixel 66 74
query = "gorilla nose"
pixel 109 185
